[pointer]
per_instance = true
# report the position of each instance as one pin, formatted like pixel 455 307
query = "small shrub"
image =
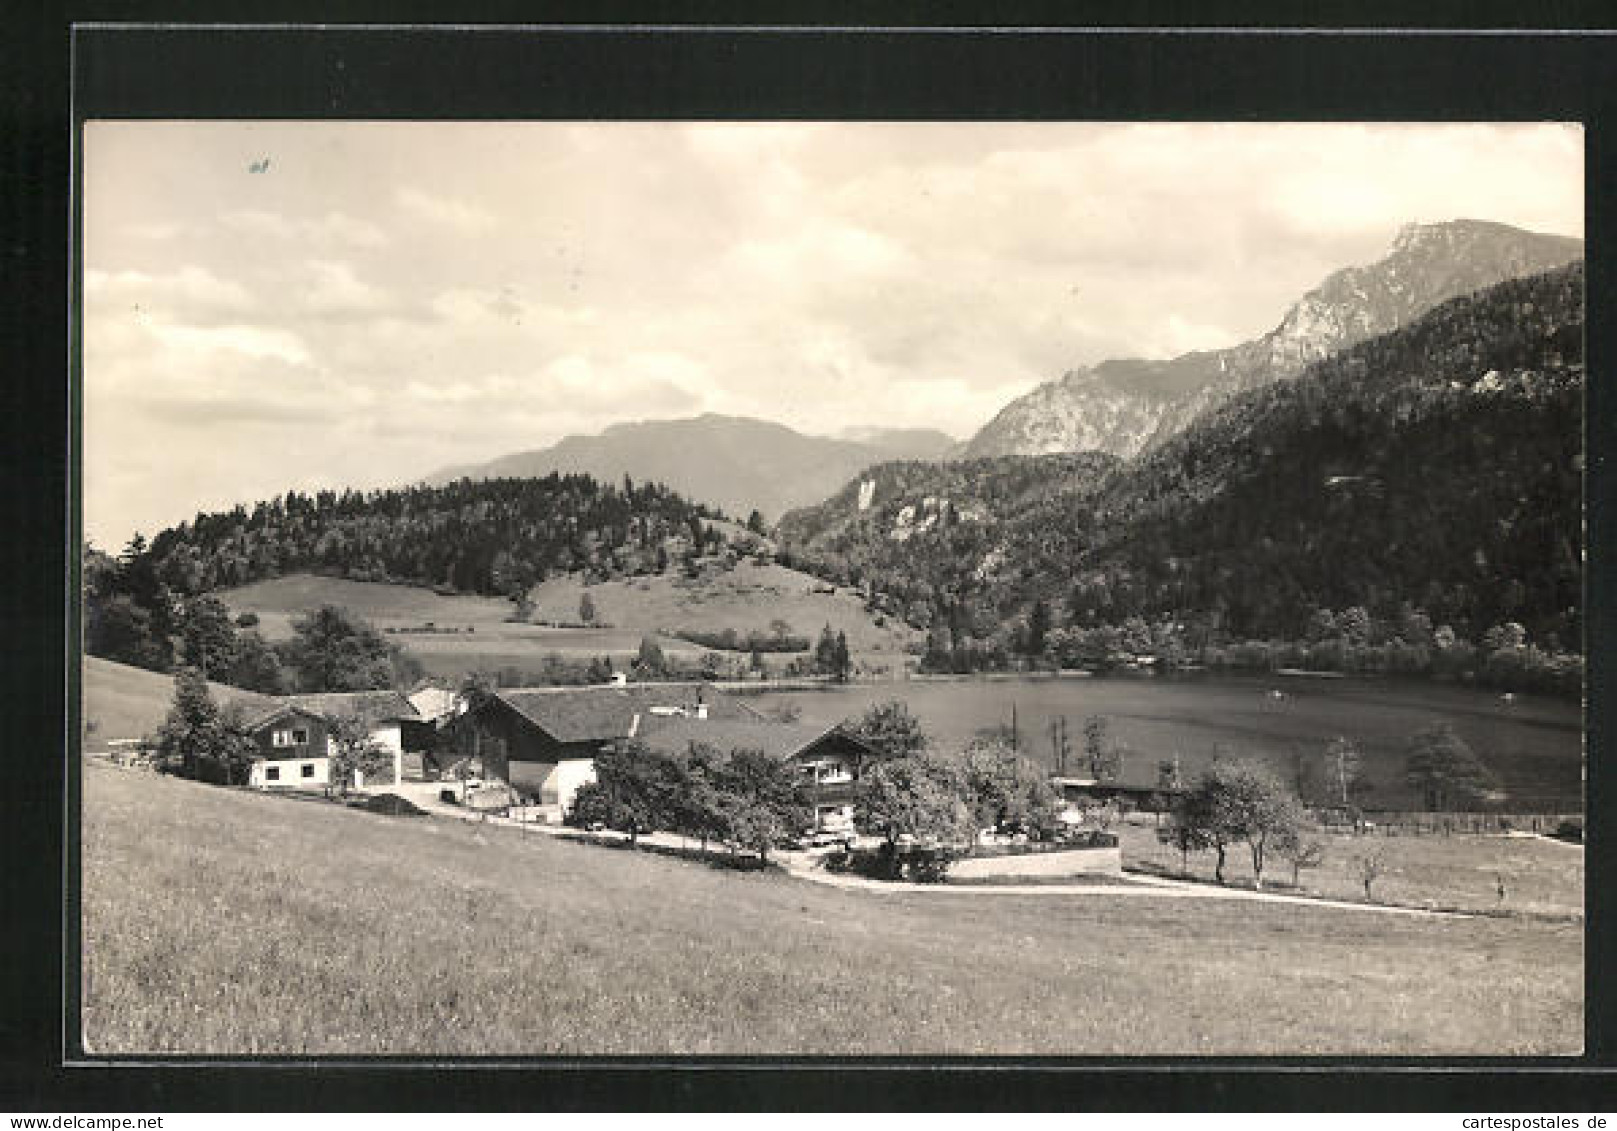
pixel 392 805
pixel 928 865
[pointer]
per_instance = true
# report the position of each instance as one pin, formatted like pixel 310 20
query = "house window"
pixel 308 769
pixel 272 773
pixel 292 736
pixel 300 736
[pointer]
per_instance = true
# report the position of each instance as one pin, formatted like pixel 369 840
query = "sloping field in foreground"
pixel 222 922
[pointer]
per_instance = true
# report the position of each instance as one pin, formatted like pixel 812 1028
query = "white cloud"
pixel 336 289
pixel 393 297
pixel 455 214
pixel 254 341
pixel 191 287
pixel 321 231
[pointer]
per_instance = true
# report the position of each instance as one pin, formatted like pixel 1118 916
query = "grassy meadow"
pixel 224 922
pixel 125 702
pixel 475 634
pixel 1542 877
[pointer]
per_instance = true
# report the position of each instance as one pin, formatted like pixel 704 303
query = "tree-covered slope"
pixel 1438 466
pixel 1430 476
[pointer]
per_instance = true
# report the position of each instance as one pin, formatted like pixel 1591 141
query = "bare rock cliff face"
pixel 1125 407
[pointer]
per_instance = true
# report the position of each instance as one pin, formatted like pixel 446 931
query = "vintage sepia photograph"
pixel 605 588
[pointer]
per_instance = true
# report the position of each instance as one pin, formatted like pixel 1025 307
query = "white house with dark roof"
pixel 293 733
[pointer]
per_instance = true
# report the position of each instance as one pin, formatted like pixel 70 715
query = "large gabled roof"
pixel 377 706
pixel 596 714
pixel 781 740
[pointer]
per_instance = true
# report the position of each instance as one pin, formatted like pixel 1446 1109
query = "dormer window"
pixel 290 736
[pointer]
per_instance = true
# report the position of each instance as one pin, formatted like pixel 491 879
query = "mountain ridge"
pixel 1126 406
pixel 738 463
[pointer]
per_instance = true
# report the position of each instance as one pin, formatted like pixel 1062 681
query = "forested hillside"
pixel 1420 491
pixel 924 537
pixel 498 536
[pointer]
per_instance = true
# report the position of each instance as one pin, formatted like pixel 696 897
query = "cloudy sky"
pixel 275 305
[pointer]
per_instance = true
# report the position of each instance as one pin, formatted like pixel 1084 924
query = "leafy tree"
pixel 353 748
pixel 119 629
pixel 890 729
pixel 761 801
pixel 1239 800
pixel 825 652
pixel 649 660
pixel 636 790
pixel 334 650
pixel 1104 758
pixel 841 662
pixel 1011 792
pixel 1445 770
pixel 1300 852
pixel 919 795
pixel 256 665
pixel 1187 835
pixel 197 739
pixel 756 524
pixel 208 637
pixel 1038 628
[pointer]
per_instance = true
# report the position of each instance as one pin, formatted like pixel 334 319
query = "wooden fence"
pixel 1448 824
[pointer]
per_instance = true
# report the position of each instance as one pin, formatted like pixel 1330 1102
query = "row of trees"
pixel 747 800
pixel 743 799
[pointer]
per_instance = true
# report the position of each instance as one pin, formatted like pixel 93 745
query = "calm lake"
pixel 1534 743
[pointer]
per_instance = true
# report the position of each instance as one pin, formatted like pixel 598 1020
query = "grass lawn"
pixel 1541 876
pixel 224 922
pixel 125 702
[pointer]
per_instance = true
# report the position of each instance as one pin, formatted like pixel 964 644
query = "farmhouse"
pixel 542 742
pixel 293 734
pixel 828 758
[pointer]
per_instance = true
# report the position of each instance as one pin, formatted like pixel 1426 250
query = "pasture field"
pixel 476 635
pixel 1542 877
pixel 222 922
pixel 124 702
pixel 747 598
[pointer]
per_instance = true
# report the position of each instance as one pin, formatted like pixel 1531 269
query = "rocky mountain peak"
pixel 1124 407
